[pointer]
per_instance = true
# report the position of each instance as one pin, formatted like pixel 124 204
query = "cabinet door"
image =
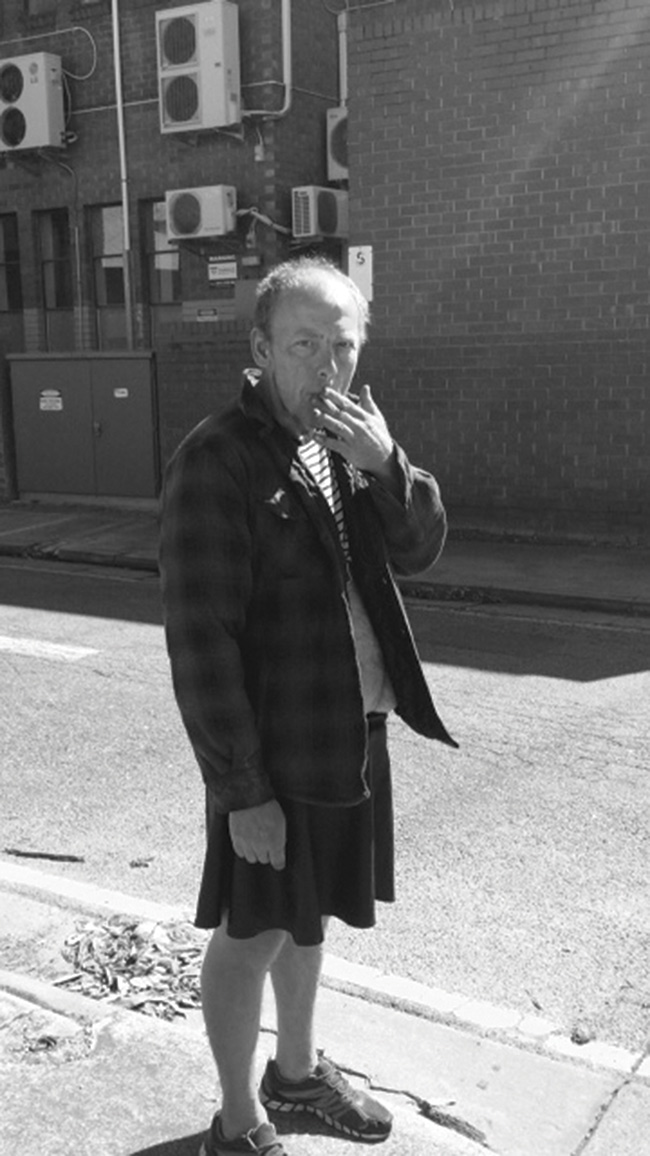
pixel 124 427
pixel 53 426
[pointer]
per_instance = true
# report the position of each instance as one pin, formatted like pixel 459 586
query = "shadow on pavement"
pixel 97 592
pixel 183 1146
pixel 574 648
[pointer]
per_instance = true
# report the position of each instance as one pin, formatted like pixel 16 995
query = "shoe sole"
pixel 283 1108
pixel 203 1150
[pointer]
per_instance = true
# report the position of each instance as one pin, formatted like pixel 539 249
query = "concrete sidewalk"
pixel 94 1079
pixel 611 579
pixel 89 1078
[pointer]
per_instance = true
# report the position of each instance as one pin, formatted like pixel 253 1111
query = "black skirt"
pixel 339 861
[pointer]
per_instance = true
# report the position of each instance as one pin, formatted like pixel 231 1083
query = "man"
pixel 282 520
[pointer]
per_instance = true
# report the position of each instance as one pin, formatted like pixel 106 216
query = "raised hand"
pixel 357 430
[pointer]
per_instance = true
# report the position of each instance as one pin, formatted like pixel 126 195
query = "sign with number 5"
pixel 360 268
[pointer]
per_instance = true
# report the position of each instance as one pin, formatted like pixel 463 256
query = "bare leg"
pixel 232 983
pixel 295 975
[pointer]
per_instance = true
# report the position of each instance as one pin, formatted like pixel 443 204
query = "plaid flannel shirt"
pixel 258 629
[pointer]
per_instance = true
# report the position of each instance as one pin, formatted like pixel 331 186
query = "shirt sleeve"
pixel 412 515
pixel 206 576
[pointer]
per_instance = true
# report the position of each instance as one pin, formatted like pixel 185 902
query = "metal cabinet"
pixel 85 424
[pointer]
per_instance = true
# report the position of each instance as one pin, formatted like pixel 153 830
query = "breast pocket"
pixel 285 537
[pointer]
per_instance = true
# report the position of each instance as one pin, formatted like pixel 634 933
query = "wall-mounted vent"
pixel 31 103
pixel 210 211
pixel 337 144
pixel 198 66
pixel 319 212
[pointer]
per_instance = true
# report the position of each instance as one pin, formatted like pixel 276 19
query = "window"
pixel 40 7
pixel 56 264
pixel 107 237
pixel 108 255
pixel 161 265
pixel 11 294
pixel 162 258
pixel 55 250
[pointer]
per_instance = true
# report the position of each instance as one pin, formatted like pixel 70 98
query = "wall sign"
pixel 222 269
pixel 50 399
pixel 360 268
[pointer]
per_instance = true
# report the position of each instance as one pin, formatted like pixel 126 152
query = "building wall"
pixel 500 169
pixel 198 362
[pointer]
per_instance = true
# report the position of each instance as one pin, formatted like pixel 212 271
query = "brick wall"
pixel 198 364
pixel 499 167
pixel 501 171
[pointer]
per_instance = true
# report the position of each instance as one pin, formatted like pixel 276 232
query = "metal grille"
pixel 185 214
pixel 178 41
pixel 181 99
pixel 13 127
pixel 11 84
pixel 302 222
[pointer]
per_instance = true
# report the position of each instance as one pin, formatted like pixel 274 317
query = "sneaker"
pixel 261 1140
pixel 328 1095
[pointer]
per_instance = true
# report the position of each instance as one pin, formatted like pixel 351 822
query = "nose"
pixel 327 366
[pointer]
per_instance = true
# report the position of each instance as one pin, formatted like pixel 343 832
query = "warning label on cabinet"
pixel 50 399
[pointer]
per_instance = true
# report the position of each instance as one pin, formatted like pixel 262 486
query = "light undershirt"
pixel 376 689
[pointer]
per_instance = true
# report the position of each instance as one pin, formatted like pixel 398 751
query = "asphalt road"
pixel 522 858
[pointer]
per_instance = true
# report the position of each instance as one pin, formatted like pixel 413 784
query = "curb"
pixel 521 1030
pixel 52 553
pixel 410 587
pixel 497 595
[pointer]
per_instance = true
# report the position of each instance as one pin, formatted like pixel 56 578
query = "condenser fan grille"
pixel 185 215
pixel 178 41
pixel 13 127
pixel 181 99
pixel 11 84
pixel 339 142
pixel 328 213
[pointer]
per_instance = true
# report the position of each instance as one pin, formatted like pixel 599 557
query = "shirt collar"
pixel 255 406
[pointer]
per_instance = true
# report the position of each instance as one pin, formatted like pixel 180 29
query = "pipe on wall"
pixel 342 25
pixel 124 177
pixel 287 74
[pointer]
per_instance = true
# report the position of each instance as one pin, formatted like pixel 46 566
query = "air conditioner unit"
pixel 337 144
pixel 318 212
pixel 31 103
pixel 206 212
pixel 198 66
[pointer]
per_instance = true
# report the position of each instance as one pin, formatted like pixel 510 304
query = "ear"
pixel 260 349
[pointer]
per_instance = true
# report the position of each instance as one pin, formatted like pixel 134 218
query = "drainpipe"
pixel 342 24
pixel 287 78
pixel 124 180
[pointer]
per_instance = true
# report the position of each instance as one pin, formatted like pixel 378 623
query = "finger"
pixel 367 400
pixel 340 403
pixel 338 445
pixel 334 426
pixel 277 859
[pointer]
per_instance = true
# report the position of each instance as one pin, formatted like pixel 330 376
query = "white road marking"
pixel 54 651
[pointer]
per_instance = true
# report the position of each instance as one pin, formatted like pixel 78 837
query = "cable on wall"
pixel 61 32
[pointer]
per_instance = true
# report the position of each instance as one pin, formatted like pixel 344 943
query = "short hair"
pixel 295 273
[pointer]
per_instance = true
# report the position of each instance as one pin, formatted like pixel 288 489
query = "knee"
pixel 254 955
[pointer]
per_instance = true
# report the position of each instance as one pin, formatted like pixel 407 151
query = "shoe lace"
pixel 336 1081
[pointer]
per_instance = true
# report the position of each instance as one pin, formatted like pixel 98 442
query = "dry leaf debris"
pixel 151 967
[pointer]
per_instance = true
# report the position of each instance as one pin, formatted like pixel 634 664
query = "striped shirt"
pixel 317 460
pixel 376 689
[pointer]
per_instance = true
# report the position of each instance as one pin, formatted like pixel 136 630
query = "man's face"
pixel 314 343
